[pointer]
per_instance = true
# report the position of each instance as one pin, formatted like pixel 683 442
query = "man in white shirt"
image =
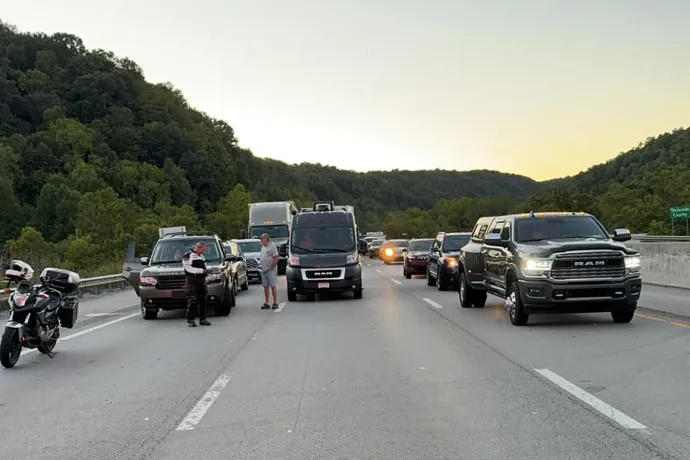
pixel 268 261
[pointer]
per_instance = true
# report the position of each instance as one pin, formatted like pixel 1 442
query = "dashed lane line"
pixel 432 303
pixel 197 413
pixel 591 400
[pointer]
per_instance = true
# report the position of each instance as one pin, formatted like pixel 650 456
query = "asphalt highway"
pixel 403 373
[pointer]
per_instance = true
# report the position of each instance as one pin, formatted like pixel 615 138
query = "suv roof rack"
pixel 193 233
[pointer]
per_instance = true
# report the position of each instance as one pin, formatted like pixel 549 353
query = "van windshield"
pixel 322 240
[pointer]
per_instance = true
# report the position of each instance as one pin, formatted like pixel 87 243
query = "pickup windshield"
pixel 171 251
pixel 398 244
pixel 250 246
pixel 558 228
pixel 322 240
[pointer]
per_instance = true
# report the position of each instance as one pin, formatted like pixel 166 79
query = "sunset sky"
pixel 541 88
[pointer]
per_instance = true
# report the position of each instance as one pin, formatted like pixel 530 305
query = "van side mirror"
pixel 622 234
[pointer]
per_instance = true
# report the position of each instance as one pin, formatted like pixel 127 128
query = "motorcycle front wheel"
pixel 10 348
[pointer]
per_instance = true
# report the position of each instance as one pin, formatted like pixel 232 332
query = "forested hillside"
pixel 93 156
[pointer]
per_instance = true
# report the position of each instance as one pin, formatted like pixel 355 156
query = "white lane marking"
pixel 281 305
pixel 197 413
pixel 255 336
pixel 422 368
pixel 591 400
pixel 86 331
pixel 396 281
pixel 378 271
pixel 95 315
pixel 432 303
pixel 368 265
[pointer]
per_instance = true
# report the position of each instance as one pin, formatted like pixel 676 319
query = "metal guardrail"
pixel 88 284
pixel 661 239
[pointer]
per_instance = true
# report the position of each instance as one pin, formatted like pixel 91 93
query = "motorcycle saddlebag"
pixel 69 312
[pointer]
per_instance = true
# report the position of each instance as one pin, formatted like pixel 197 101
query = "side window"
pixel 505 232
pixel 496 227
pixel 437 244
pixel 479 231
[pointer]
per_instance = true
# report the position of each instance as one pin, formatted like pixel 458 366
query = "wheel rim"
pixel 462 289
pixel 511 305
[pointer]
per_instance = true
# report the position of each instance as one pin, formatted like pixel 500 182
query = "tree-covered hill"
pixel 92 156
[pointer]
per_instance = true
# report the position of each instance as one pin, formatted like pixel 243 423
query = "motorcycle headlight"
pixel 633 263
pixel 536 267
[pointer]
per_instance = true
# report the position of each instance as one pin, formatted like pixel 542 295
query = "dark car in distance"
pixel 375 248
pixel 417 257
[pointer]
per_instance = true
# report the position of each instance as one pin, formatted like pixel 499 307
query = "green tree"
pixel 232 214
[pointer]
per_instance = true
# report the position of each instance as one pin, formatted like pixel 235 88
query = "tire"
pixel 235 287
pixel 479 300
pixel 441 283
pixel 148 313
pixel 245 286
pixel 430 280
pixel 357 293
pixel 514 307
pixel 407 275
pixel 292 297
pixel 623 317
pixel 48 347
pixel 10 348
pixel 227 303
pixel 465 293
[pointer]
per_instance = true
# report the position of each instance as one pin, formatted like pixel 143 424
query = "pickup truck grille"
pixel 171 282
pixel 588 265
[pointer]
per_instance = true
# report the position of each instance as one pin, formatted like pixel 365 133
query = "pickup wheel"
pixel 292 297
pixel 441 281
pixel 479 300
pixel 513 305
pixel 465 293
pixel 430 280
pixel 623 316
pixel 357 293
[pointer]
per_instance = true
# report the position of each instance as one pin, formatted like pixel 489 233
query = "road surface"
pixel 403 373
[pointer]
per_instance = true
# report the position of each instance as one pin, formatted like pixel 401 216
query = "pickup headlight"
pixel 633 263
pixel 452 263
pixel 536 267
pixel 214 277
pixel 353 258
pixel 389 252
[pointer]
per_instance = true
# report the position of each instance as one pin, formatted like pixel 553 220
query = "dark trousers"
pixel 196 300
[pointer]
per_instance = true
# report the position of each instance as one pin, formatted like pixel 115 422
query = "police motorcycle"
pixel 37 312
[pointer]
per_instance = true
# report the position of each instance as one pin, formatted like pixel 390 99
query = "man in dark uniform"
pixel 195 271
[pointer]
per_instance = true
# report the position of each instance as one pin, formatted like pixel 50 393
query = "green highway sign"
pixel 682 212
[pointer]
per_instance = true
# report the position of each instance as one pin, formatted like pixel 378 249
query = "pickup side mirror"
pixel 494 239
pixel 622 234
pixel 230 258
pixel 144 261
pixel 283 250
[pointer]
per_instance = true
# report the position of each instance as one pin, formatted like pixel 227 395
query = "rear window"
pixel 398 243
pixel 558 228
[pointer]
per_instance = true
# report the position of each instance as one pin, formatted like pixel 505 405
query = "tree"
pixel 232 214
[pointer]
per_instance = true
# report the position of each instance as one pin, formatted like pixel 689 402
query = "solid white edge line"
pixel 86 331
pixel 281 305
pixel 591 400
pixel 432 303
pixel 396 281
pixel 197 413
pixel 378 271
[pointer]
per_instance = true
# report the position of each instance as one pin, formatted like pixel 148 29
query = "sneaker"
pixel 191 324
pixel 205 322
pixel 265 306
pixel 275 306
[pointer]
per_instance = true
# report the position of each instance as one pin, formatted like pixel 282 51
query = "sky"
pixel 542 88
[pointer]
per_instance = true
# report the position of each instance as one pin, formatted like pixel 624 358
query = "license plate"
pixel 324 285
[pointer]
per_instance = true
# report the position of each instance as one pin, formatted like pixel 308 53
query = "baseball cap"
pixel 265 235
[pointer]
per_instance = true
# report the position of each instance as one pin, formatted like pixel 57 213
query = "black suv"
pixel 442 269
pixel 561 262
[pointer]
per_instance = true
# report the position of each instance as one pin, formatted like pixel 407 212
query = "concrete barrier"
pixel 664 263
